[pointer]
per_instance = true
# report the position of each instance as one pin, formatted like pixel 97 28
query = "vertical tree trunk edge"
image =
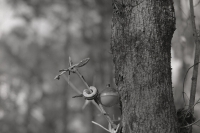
pixel 141 48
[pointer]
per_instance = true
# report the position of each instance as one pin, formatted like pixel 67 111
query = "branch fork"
pixel 113 128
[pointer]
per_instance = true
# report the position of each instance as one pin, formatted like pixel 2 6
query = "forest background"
pixel 36 39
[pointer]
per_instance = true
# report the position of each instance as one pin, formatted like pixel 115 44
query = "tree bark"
pixel 141 48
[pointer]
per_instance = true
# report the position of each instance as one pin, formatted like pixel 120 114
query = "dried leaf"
pixel 83 62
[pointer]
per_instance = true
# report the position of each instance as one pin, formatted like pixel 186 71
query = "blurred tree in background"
pixel 36 39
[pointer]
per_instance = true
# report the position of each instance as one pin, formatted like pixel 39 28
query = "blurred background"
pixel 36 39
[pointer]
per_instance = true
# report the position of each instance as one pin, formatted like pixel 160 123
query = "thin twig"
pixel 107 116
pixel 79 92
pixel 73 68
pixel 82 78
pixel 197 125
pixel 96 104
pixel 185 79
pixel 71 85
pixel 196 59
pixel 197 3
pixel 191 124
pixel 58 76
pixel 100 126
pixel 189 108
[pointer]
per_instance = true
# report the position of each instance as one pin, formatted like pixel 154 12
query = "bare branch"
pixel 196 58
pixel 184 81
pixel 191 124
pixel 197 3
pixel 72 85
pixel 100 126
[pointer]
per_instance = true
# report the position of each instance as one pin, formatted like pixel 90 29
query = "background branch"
pixel 196 59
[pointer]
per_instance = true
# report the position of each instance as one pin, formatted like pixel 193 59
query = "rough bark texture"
pixel 141 48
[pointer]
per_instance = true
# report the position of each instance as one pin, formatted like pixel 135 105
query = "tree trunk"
pixel 141 48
